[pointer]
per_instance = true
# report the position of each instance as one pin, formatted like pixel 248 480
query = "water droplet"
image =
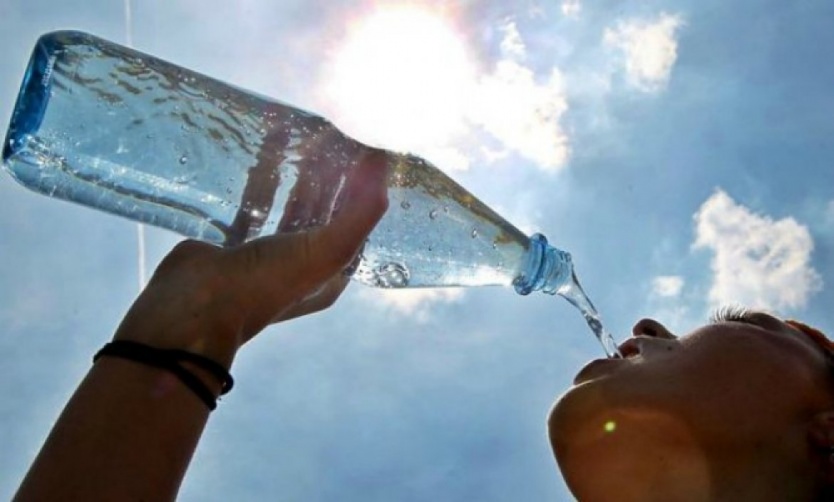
pixel 433 214
pixel 391 275
pixel 446 209
pixel 405 205
pixel 184 159
pixel 474 233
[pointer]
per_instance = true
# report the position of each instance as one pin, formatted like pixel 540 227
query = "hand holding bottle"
pixel 210 300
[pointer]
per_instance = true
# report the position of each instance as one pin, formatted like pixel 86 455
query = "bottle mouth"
pixel 531 278
pixel 33 97
pixel 547 269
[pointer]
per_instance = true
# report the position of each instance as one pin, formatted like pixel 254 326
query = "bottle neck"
pixel 546 268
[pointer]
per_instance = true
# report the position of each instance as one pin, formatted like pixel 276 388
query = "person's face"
pixel 684 407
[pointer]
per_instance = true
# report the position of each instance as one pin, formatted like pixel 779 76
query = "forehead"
pixel 759 331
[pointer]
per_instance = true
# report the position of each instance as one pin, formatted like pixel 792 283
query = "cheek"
pixel 749 386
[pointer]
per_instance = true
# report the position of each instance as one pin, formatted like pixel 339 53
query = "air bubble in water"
pixel 474 233
pixel 391 275
pixel 433 214
pixel 184 160
pixel 405 205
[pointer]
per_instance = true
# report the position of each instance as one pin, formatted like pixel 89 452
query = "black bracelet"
pixel 170 359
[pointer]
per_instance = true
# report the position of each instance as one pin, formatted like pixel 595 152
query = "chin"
pixel 576 417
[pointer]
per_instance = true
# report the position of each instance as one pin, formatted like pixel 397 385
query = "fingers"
pixel 318 254
pixel 323 166
pixel 282 270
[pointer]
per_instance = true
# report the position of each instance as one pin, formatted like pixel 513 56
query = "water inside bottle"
pixel 132 135
pixel 126 133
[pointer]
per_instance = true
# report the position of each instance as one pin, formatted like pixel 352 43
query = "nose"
pixel 652 328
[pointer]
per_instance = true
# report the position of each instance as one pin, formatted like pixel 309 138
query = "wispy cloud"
pixel 667 286
pixel 512 46
pixel 571 8
pixel 415 303
pixel 388 85
pixel 757 261
pixel 649 48
pixel 520 110
pixel 524 115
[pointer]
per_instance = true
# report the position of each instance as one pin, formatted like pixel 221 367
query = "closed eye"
pixel 732 313
pixel 744 315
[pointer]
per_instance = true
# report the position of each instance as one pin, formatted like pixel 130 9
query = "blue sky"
pixel 679 150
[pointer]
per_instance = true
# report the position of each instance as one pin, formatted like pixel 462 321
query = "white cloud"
pixel 520 112
pixel 416 303
pixel 387 86
pixel 667 286
pixel 512 46
pixel 447 157
pixel 571 8
pixel 523 114
pixel 492 155
pixel 649 48
pixel 757 261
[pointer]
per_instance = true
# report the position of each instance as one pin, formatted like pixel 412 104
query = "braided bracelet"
pixel 170 360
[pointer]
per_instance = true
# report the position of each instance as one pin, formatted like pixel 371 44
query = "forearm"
pixel 128 433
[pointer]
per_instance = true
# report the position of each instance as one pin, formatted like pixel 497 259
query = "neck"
pixel 760 475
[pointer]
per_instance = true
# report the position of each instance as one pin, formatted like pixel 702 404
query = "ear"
pixel 821 437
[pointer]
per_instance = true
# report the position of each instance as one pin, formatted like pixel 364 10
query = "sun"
pixel 400 79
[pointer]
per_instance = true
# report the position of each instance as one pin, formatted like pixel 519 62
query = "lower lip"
pixel 597 368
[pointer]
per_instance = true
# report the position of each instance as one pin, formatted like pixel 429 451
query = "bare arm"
pixel 129 431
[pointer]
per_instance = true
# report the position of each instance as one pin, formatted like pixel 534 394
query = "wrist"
pixel 211 340
pixel 206 378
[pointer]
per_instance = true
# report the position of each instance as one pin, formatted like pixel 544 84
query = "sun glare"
pixel 400 79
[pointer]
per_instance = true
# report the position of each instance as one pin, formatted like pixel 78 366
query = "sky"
pixel 681 151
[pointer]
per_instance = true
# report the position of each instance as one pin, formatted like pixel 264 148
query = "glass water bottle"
pixel 115 129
